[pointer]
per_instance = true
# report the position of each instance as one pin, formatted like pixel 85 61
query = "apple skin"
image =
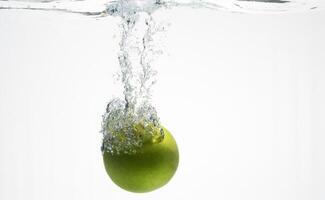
pixel 150 168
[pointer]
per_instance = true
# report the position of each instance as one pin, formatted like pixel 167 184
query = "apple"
pixel 151 167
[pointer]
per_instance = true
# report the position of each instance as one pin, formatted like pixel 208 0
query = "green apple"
pixel 151 167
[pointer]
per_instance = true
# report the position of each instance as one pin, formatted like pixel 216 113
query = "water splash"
pixel 131 121
pixel 102 8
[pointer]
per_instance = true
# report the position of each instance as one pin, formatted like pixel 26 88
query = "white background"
pixel 243 94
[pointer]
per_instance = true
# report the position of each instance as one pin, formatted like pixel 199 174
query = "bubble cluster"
pixel 126 129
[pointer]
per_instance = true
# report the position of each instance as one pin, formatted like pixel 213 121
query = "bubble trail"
pixel 131 121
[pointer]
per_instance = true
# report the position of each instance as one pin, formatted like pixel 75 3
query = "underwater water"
pixel 239 84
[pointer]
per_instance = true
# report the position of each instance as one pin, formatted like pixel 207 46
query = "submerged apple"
pixel 149 168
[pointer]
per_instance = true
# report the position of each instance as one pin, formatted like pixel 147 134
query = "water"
pixel 251 129
pixel 137 52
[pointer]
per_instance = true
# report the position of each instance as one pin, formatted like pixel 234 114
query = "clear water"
pixel 139 47
pixel 137 51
